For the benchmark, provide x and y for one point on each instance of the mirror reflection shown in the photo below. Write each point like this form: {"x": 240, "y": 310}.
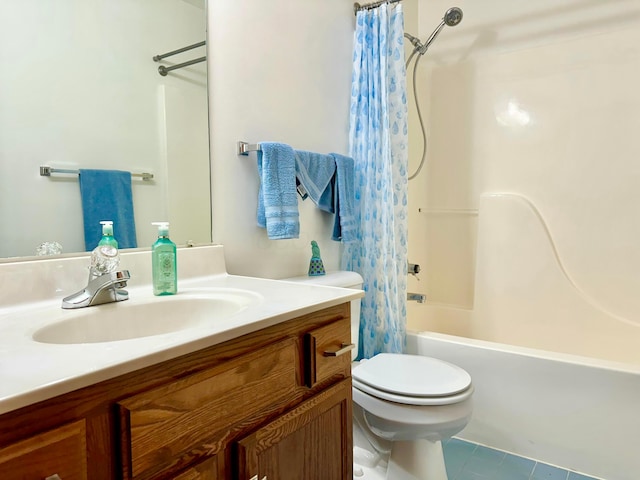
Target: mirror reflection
{"x": 80, "y": 90}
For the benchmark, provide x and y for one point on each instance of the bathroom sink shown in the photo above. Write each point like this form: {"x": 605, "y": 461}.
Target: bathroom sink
{"x": 144, "y": 318}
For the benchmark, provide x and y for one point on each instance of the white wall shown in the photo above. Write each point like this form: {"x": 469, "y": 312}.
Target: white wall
{"x": 538, "y": 99}
{"x": 79, "y": 89}
{"x": 279, "y": 71}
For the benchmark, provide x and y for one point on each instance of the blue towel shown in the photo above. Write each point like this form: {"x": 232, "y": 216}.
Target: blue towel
{"x": 277, "y": 201}
{"x": 315, "y": 172}
{"x": 344, "y": 224}
{"x": 106, "y": 195}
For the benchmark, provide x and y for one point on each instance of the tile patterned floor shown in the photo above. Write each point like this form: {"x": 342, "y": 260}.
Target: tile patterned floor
{"x": 468, "y": 461}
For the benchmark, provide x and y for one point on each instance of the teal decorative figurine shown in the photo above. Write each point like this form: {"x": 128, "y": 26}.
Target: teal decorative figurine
{"x": 316, "y": 267}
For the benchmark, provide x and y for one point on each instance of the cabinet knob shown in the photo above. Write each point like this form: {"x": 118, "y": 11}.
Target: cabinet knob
{"x": 255, "y": 477}
{"x": 344, "y": 348}
{"x": 55, "y": 476}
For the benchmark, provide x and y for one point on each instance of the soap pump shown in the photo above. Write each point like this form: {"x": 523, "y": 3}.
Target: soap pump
{"x": 163, "y": 262}
{"x": 107, "y": 234}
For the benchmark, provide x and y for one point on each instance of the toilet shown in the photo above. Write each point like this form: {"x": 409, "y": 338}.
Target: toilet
{"x": 404, "y": 405}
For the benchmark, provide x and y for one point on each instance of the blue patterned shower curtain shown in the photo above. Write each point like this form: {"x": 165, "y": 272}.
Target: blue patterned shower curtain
{"x": 378, "y": 144}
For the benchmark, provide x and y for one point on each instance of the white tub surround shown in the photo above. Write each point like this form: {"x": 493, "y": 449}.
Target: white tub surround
{"x": 31, "y": 295}
{"x": 555, "y": 365}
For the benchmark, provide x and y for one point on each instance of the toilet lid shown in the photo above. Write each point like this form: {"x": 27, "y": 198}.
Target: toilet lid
{"x": 412, "y": 376}
{"x": 407, "y": 400}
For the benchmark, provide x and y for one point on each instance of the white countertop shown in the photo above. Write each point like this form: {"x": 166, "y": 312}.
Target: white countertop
{"x": 31, "y": 371}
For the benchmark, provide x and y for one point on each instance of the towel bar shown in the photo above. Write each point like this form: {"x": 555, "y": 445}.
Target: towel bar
{"x": 244, "y": 148}
{"x": 157, "y": 58}
{"x": 162, "y": 70}
{"x": 46, "y": 171}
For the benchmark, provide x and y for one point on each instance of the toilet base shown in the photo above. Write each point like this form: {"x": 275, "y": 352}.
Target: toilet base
{"x": 416, "y": 460}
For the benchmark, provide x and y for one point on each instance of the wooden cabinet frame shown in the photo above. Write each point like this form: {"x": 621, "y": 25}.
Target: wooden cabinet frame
{"x": 105, "y": 407}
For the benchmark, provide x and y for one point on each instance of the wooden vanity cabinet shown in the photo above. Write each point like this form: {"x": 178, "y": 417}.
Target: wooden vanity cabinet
{"x": 271, "y": 404}
{"x": 61, "y": 452}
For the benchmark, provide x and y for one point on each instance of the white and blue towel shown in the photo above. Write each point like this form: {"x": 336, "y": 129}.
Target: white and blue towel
{"x": 277, "y": 200}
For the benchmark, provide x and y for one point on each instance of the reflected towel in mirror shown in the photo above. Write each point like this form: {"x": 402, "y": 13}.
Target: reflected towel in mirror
{"x": 106, "y": 195}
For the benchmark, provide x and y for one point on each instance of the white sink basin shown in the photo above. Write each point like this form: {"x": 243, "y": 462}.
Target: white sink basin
{"x": 153, "y": 316}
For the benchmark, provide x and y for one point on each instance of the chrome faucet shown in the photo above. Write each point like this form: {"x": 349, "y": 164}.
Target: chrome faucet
{"x": 418, "y": 297}
{"x": 100, "y": 289}
{"x": 105, "y": 280}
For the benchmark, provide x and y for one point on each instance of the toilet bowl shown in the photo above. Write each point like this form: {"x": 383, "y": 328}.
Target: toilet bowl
{"x": 404, "y": 405}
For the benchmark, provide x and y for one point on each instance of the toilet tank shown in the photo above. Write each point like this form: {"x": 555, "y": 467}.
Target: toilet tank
{"x": 344, "y": 279}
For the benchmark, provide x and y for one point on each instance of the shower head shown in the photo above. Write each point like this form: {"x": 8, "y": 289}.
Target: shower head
{"x": 451, "y": 18}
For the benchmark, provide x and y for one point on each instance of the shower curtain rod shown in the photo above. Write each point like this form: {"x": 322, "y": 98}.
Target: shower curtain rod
{"x": 357, "y": 7}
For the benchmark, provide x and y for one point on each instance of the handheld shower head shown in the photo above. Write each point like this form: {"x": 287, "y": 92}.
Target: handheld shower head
{"x": 453, "y": 16}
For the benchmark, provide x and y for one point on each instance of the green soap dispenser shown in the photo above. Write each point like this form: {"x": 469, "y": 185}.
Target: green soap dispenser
{"x": 163, "y": 262}
{"x": 107, "y": 234}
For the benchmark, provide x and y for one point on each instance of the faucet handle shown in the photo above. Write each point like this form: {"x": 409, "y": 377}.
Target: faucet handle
{"x": 414, "y": 269}
{"x": 104, "y": 259}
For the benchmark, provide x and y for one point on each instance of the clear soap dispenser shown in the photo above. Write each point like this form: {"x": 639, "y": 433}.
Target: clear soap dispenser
{"x": 163, "y": 262}
{"x": 107, "y": 234}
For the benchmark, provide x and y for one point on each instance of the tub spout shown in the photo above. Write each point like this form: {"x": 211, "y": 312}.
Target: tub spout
{"x": 417, "y": 297}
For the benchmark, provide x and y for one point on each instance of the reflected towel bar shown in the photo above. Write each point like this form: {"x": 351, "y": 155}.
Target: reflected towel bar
{"x": 46, "y": 171}
{"x": 244, "y": 148}
{"x": 162, "y": 70}
{"x": 157, "y": 58}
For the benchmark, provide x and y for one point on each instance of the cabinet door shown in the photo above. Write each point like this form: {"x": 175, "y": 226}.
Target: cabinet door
{"x": 311, "y": 442}
{"x": 61, "y": 452}
{"x": 168, "y": 425}
{"x": 209, "y": 469}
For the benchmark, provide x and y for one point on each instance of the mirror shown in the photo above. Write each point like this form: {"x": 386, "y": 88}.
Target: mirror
{"x": 79, "y": 89}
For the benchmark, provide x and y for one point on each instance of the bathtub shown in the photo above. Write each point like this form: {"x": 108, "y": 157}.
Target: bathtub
{"x": 555, "y": 362}
{"x": 575, "y": 412}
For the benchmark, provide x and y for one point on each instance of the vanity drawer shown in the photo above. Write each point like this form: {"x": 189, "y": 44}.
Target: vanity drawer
{"x": 328, "y": 352}
{"x": 166, "y": 427}
{"x": 60, "y": 452}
